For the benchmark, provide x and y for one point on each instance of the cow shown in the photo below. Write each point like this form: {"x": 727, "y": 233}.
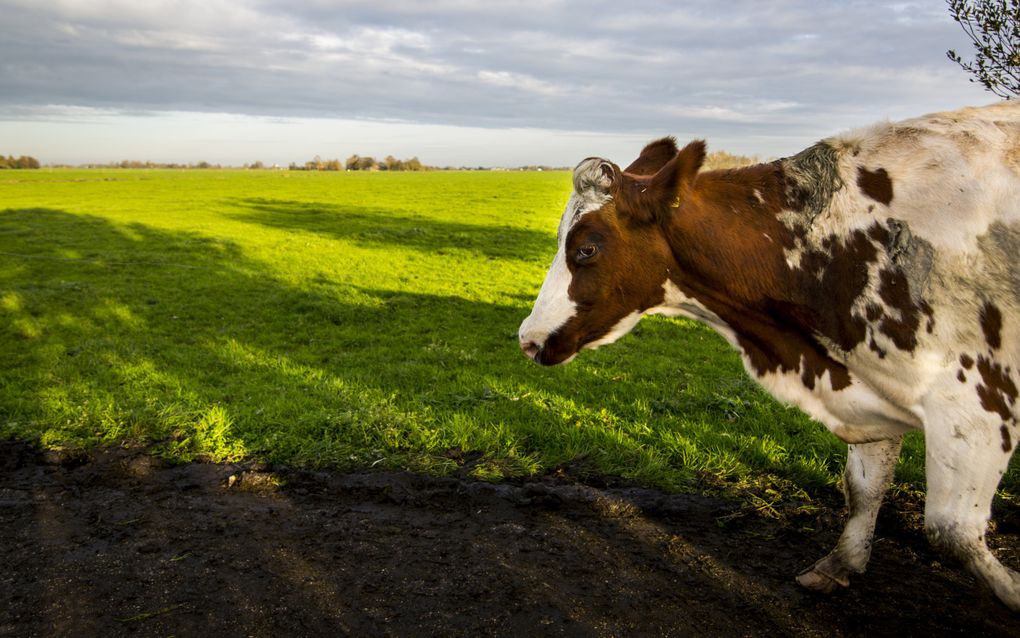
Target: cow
{"x": 870, "y": 280}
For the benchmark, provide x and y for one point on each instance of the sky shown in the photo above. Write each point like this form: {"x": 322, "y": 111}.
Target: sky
{"x": 461, "y": 82}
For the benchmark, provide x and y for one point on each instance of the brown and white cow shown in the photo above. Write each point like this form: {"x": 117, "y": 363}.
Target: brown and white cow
{"x": 871, "y": 280}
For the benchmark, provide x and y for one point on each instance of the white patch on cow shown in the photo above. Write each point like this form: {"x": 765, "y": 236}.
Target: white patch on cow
{"x": 622, "y": 327}
{"x": 934, "y": 162}
{"x": 794, "y": 255}
{"x": 553, "y": 308}
{"x": 676, "y": 304}
{"x": 855, "y": 414}
{"x": 758, "y": 196}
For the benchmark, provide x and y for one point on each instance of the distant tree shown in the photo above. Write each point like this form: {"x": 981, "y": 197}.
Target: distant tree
{"x": 257, "y": 165}
{"x": 332, "y": 165}
{"x": 24, "y": 161}
{"x": 994, "y": 28}
{"x": 413, "y": 164}
{"x": 367, "y": 164}
{"x": 392, "y": 164}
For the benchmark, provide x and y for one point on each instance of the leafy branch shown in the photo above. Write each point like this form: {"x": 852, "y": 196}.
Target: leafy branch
{"x": 994, "y": 28}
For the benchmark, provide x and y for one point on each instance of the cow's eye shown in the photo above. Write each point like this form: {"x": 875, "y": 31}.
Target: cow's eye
{"x": 587, "y": 251}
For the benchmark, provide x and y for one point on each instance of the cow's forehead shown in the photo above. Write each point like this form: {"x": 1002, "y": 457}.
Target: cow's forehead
{"x": 591, "y": 192}
{"x": 580, "y": 204}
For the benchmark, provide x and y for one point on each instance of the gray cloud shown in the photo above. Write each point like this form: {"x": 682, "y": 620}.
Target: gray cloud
{"x": 788, "y": 68}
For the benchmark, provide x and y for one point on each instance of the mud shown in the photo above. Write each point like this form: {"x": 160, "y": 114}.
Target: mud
{"x": 122, "y": 544}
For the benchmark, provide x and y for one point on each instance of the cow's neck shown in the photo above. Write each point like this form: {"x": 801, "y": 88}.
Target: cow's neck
{"x": 729, "y": 241}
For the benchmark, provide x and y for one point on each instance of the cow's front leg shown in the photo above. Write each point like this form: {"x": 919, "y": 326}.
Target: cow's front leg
{"x": 869, "y": 470}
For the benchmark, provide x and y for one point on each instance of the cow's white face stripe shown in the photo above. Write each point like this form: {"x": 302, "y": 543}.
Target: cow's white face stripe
{"x": 553, "y": 308}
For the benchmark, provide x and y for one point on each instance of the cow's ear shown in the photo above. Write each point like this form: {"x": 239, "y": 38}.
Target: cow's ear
{"x": 649, "y": 198}
{"x": 653, "y": 157}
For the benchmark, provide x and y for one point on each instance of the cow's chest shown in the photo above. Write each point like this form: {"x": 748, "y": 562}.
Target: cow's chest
{"x": 862, "y": 411}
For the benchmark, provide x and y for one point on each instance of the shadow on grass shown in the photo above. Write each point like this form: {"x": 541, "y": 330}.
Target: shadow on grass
{"x": 373, "y": 227}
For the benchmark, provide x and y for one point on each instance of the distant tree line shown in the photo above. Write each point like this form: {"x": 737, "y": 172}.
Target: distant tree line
{"x": 24, "y": 161}
{"x": 147, "y": 164}
{"x": 718, "y": 159}
{"x": 360, "y": 163}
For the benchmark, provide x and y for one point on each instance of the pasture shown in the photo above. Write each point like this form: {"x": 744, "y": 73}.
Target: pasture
{"x": 359, "y": 320}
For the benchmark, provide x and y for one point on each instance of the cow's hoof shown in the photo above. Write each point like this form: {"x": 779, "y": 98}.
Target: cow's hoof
{"x": 816, "y": 580}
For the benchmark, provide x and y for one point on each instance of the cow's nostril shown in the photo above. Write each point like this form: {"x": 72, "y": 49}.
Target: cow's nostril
{"x": 531, "y": 349}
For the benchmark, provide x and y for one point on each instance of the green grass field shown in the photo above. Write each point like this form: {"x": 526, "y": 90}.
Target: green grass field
{"x": 355, "y": 320}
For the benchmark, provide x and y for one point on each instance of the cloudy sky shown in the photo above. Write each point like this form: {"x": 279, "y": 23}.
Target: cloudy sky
{"x": 460, "y": 82}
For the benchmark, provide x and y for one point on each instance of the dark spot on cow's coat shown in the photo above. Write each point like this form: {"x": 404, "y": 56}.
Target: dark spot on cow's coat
{"x": 879, "y": 233}
{"x": 873, "y": 312}
{"x": 811, "y": 178}
{"x": 998, "y": 393}
{"x": 789, "y": 352}
{"x": 966, "y": 361}
{"x": 875, "y": 184}
{"x": 877, "y": 349}
{"x": 1007, "y": 441}
{"x": 991, "y": 324}
{"x": 961, "y": 376}
{"x": 930, "y": 313}
{"x": 832, "y": 282}
{"x": 895, "y": 292}
{"x": 913, "y": 255}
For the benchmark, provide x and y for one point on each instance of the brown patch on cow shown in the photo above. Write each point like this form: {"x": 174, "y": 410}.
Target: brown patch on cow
{"x": 652, "y": 198}
{"x": 880, "y": 234}
{"x": 961, "y": 376}
{"x": 930, "y": 313}
{"x": 875, "y": 184}
{"x": 991, "y": 324}
{"x": 1007, "y": 440}
{"x": 833, "y": 285}
{"x": 877, "y": 349}
{"x": 998, "y": 393}
{"x": 729, "y": 247}
{"x": 653, "y": 157}
{"x": 966, "y": 361}
{"x": 895, "y": 291}
{"x": 771, "y": 350}
{"x": 873, "y": 312}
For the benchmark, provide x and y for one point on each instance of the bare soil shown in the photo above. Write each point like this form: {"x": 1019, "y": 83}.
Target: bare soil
{"x": 121, "y": 543}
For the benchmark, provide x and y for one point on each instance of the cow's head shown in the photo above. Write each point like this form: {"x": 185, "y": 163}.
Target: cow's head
{"x": 613, "y": 261}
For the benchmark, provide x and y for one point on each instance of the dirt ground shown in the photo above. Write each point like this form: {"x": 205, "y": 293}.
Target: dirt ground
{"x": 120, "y": 543}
